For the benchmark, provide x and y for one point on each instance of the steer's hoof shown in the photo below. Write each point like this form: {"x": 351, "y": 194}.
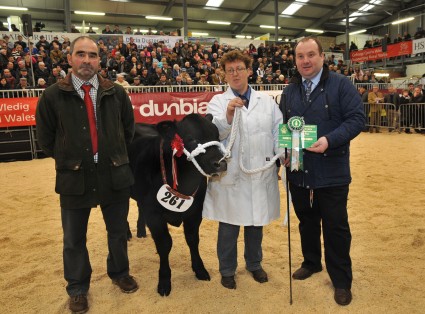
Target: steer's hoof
{"x": 141, "y": 233}
{"x": 164, "y": 289}
{"x": 202, "y": 274}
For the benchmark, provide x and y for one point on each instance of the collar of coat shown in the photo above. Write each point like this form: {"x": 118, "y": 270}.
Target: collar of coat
{"x": 66, "y": 83}
{"x": 297, "y": 79}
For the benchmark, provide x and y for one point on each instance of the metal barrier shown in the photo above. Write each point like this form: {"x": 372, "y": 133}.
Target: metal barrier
{"x": 385, "y": 115}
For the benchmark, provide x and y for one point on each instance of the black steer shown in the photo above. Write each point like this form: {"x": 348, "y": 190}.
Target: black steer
{"x": 145, "y": 160}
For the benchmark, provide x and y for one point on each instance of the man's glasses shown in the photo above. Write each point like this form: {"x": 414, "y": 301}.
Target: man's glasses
{"x": 233, "y": 71}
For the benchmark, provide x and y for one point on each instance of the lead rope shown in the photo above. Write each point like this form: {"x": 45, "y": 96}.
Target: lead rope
{"x": 237, "y": 125}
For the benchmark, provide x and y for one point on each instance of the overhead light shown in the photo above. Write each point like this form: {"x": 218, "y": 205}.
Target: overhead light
{"x": 314, "y": 30}
{"x": 89, "y": 13}
{"x": 199, "y": 34}
{"x": 5, "y": 24}
{"x": 293, "y": 7}
{"x": 268, "y": 26}
{"x": 240, "y": 36}
{"x": 5, "y": 7}
{"x": 248, "y": 37}
{"x": 358, "y": 32}
{"x": 403, "y": 20}
{"x": 286, "y": 39}
{"x": 163, "y": 18}
{"x": 214, "y": 3}
{"x": 219, "y": 22}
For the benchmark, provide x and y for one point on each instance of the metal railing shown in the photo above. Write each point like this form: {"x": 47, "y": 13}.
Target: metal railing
{"x": 385, "y": 115}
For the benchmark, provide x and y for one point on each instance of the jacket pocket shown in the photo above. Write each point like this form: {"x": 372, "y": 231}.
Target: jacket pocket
{"x": 121, "y": 174}
{"x": 69, "y": 177}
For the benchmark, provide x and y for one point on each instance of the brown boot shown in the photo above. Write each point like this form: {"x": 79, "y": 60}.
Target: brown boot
{"x": 78, "y": 304}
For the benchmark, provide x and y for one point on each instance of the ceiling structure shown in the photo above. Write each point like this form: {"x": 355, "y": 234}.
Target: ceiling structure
{"x": 245, "y": 16}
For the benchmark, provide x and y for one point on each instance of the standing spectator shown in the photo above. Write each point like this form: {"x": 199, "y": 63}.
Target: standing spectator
{"x": 375, "y": 99}
{"x": 21, "y": 42}
{"x": 320, "y": 190}
{"x": 405, "y": 111}
{"x": 74, "y": 29}
{"x": 43, "y": 43}
{"x": 393, "y": 113}
{"x": 117, "y": 29}
{"x": 107, "y": 30}
{"x": 89, "y": 172}
{"x": 353, "y": 46}
{"x": 239, "y": 199}
{"x": 91, "y": 30}
{"x": 407, "y": 36}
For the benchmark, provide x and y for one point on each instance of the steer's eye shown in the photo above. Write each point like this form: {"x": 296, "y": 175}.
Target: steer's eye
{"x": 190, "y": 143}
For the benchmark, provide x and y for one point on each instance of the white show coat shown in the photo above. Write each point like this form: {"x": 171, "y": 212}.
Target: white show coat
{"x": 235, "y": 197}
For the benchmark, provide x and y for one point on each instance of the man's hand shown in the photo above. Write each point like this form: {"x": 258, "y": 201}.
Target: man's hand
{"x": 231, "y": 106}
{"x": 320, "y": 146}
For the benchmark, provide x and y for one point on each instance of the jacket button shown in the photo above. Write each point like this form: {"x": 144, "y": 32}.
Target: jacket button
{"x": 81, "y": 107}
{"x": 306, "y": 171}
{"x": 87, "y": 149}
{"x": 324, "y": 155}
{"x": 76, "y": 168}
{"x": 307, "y": 186}
{"x": 84, "y": 127}
{"x": 94, "y": 190}
{"x": 326, "y": 106}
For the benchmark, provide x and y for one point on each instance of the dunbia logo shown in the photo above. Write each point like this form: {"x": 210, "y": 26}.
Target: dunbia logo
{"x": 181, "y": 107}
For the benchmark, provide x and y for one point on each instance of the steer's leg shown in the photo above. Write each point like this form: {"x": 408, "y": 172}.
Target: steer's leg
{"x": 191, "y": 233}
{"x": 163, "y": 243}
{"x": 141, "y": 222}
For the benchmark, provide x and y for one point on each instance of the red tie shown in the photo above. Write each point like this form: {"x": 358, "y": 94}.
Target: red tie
{"x": 91, "y": 116}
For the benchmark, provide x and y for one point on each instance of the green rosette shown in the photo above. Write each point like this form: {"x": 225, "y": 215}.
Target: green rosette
{"x": 296, "y": 125}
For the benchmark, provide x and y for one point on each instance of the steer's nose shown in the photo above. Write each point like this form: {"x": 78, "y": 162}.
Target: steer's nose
{"x": 220, "y": 166}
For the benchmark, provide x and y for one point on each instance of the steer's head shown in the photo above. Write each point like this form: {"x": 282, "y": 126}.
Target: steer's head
{"x": 195, "y": 130}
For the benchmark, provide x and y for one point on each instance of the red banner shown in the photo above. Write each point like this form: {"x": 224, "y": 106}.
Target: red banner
{"x": 399, "y": 49}
{"x": 155, "y": 107}
{"x": 17, "y": 111}
{"x": 148, "y": 107}
{"x": 367, "y": 55}
{"x": 393, "y": 50}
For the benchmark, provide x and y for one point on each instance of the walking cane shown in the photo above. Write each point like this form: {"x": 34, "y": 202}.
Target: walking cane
{"x": 289, "y": 228}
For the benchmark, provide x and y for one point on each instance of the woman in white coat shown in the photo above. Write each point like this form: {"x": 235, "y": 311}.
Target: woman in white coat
{"x": 236, "y": 198}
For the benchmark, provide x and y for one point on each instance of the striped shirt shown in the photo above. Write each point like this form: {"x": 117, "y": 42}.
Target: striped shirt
{"x": 77, "y": 83}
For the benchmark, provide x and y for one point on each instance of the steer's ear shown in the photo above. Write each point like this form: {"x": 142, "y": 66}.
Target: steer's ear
{"x": 167, "y": 129}
{"x": 209, "y": 116}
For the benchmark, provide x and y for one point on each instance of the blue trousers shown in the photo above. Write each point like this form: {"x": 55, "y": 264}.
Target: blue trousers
{"x": 227, "y": 250}
{"x": 77, "y": 268}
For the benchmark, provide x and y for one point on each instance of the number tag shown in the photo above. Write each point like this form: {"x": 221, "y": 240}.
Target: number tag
{"x": 170, "y": 201}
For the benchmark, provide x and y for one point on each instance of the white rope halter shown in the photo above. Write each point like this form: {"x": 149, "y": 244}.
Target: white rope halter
{"x": 238, "y": 127}
{"x": 201, "y": 149}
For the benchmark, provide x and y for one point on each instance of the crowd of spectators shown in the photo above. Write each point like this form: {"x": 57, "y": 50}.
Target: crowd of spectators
{"x": 187, "y": 63}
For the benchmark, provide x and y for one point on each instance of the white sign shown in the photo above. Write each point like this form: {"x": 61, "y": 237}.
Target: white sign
{"x": 171, "y": 201}
{"x": 418, "y": 45}
{"x": 144, "y": 40}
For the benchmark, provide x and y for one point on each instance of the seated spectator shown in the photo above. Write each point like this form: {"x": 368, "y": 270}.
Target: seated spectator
{"x": 41, "y": 83}
{"x": 117, "y": 29}
{"x": 136, "y": 81}
{"x": 10, "y": 79}
{"x": 121, "y": 81}
{"x": 23, "y": 84}
{"x": 4, "y": 85}
{"x": 53, "y": 78}
{"x": 178, "y": 81}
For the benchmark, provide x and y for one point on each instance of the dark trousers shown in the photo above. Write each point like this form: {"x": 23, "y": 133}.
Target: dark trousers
{"x": 227, "y": 248}
{"x": 329, "y": 212}
{"x": 77, "y": 268}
